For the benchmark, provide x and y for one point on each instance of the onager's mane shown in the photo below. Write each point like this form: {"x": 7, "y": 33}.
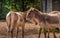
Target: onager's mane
{"x": 32, "y": 15}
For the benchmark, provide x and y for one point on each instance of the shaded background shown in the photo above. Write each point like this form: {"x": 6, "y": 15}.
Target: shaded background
{"x": 16, "y": 5}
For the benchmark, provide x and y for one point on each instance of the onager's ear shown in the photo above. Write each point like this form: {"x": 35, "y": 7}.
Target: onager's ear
{"x": 29, "y": 13}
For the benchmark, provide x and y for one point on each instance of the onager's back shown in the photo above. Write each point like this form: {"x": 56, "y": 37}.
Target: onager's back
{"x": 54, "y": 12}
{"x": 14, "y": 20}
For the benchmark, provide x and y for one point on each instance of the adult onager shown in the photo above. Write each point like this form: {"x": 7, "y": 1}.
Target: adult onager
{"x": 15, "y": 20}
{"x": 36, "y": 14}
{"x": 44, "y": 18}
{"x": 30, "y": 16}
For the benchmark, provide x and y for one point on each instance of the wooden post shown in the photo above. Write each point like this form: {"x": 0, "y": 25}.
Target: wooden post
{"x": 43, "y": 5}
{"x": 49, "y": 6}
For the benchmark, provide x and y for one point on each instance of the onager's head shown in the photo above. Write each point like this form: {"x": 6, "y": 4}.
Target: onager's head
{"x": 32, "y": 12}
{"x": 33, "y": 15}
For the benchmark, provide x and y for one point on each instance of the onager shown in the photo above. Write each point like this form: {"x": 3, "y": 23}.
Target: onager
{"x": 44, "y": 18}
{"x": 36, "y": 14}
{"x": 15, "y": 20}
{"x": 31, "y": 16}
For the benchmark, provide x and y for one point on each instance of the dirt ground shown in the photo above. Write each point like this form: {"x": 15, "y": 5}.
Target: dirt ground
{"x": 30, "y": 31}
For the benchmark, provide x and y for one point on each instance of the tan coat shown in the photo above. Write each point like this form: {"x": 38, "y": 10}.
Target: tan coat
{"x": 14, "y": 19}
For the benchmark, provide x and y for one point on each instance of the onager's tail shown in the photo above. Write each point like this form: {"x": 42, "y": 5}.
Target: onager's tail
{"x": 8, "y": 20}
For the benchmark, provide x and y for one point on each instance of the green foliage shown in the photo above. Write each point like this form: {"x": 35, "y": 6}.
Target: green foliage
{"x": 16, "y": 5}
{"x": 57, "y": 30}
{"x": 30, "y": 3}
{"x": 3, "y": 14}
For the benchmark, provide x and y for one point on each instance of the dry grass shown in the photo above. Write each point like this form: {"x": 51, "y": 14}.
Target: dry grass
{"x": 31, "y": 31}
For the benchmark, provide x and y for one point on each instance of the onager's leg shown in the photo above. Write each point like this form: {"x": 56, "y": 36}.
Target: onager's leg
{"x": 48, "y": 33}
{"x": 8, "y": 20}
{"x": 17, "y": 32}
{"x": 9, "y": 28}
{"x": 54, "y": 34}
{"x": 23, "y": 31}
{"x": 45, "y": 27}
{"x": 59, "y": 25}
{"x": 12, "y": 29}
{"x": 9, "y": 32}
{"x": 13, "y": 24}
{"x": 45, "y": 32}
{"x": 12, "y": 33}
{"x": 39, "y": 32}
